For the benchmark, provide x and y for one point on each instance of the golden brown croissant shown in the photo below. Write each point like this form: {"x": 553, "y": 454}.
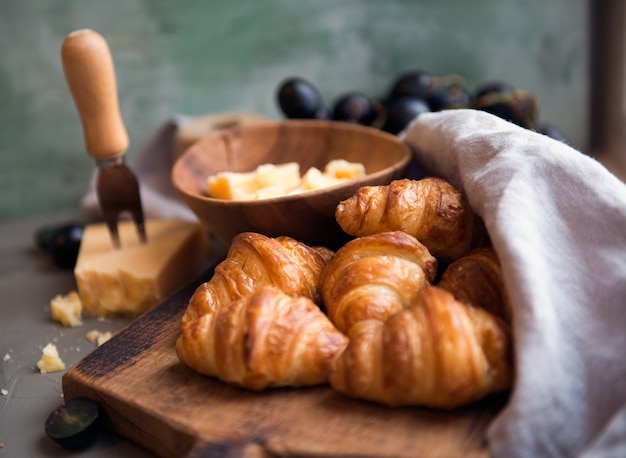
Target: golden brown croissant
{"x": 375, "y": 276}
{"x": 477, "y": 279}
{"x": 431, "y": 210}
{"x": 437, "y": 353}
{"x": 255, "y": 260}
{"x": 266, "y": 339}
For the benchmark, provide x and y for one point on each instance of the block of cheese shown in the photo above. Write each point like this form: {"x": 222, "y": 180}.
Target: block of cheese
{"x": 136, "y": 277}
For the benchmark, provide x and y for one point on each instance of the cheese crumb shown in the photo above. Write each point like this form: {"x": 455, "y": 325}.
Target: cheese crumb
{"x": 50, "y": 360}
{"x": 98, "y": 337}
{"x": 67, "y": 309}
{"x": 4, "y": 391}
{"x": 7, "y": 357}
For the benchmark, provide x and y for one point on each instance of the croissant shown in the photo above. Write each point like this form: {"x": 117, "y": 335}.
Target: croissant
{"x": 477, "y": 279}
{"x": 437, "y": 353}
{"x": 255, "y": 260}
{"x": 267, "y": 339}
{"x": 375, "y": 276}
{"x": 431, "y": 210}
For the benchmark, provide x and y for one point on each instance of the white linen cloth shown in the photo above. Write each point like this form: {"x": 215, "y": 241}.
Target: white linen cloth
{"x": 557, "y": 219}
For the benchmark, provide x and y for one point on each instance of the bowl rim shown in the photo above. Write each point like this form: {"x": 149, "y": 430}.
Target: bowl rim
{"x": 314, "y": 123}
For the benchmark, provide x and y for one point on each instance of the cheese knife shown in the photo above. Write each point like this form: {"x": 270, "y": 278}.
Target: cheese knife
{"x": 90, "y": 74}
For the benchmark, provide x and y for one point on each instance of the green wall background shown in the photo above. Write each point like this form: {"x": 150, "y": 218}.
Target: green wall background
{"x": 202, "y": 56}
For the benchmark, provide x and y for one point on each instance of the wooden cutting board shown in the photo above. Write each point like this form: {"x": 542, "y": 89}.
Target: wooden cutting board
{"x": 155, "y": 401}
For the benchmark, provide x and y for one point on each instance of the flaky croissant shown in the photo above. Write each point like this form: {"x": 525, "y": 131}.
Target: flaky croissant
{"x": 437, "y": 353}
{"x": 267, "y": 339}
{"x": 255, "y": 260}
{"x": 477, "y": 279}
{"x": 375, "y": 276}
{"x": 431, "y": 210}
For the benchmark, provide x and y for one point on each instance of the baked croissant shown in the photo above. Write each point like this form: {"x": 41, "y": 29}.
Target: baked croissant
{"x": 267, "y": 339}
{"x": 438, "y": 353}
{"x": 431, "y": 210}
{"x": 477, "y": 279}
{"x": 375, "y": 276}
{"x": 255, "y": 260}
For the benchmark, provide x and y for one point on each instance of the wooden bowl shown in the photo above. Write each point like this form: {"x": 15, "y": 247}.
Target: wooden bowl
{"x": 309, "y": 216}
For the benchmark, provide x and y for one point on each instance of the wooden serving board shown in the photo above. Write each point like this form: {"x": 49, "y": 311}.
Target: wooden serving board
{"x": 160, "y": 404}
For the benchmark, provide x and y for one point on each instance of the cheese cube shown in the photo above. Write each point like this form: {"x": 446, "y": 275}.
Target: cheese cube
{"x": 136, "y": 277}
{"x": 285, "y": 175}
{"x": 232, "y": 185}
{"x": 340, "y": 168}
{"x": 315, "y": 179}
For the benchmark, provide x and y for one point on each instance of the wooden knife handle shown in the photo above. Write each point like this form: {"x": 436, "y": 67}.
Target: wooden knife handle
{"x": 90, "y": 75}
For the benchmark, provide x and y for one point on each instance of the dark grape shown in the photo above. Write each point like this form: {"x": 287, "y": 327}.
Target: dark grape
{"x": 401, "y": 111}
{"x": 447, "y": 97}
{"x": 411, "y": 94}
{"x": 75, "y": 424}
{"x": 354, "y": 107}
{"x": 508, "y": 102}
{"x": 299, "y": 99}
{"x": 62, "y": 242}
{"x": 416, "y": 83}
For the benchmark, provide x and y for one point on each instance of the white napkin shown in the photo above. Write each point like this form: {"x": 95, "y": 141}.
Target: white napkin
{"x": 557, "y": 219}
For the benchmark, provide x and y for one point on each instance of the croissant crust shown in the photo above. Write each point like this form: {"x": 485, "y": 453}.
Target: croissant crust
{"x": 266, "y": 339}
{"x": 477, "y": 279}
{"x": 438, "y": 353}
{"x": 431, "y": 210}
{"x": 375, "y": 276}
{"x": 255, "y": 260}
